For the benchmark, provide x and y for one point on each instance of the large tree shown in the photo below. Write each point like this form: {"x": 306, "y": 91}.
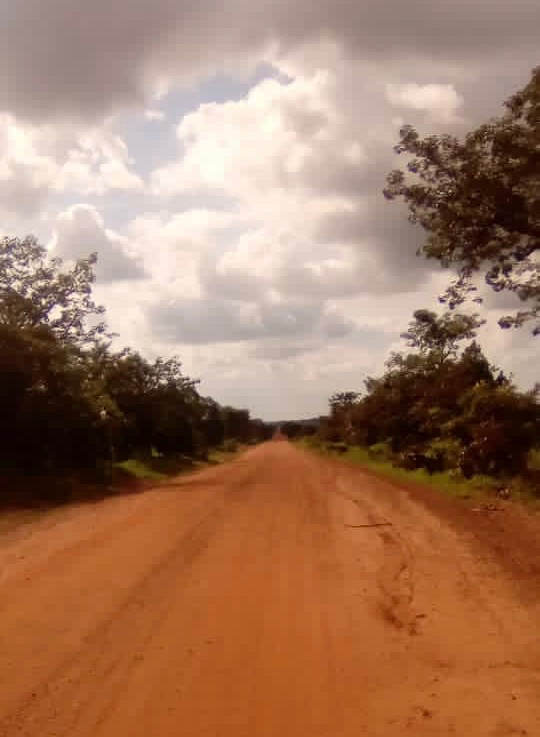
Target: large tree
{"x": 479, "y": 201}
{"x": 438, "y": 336}
{"x": 159, "y": 407}
{"x": 38, "y": 290}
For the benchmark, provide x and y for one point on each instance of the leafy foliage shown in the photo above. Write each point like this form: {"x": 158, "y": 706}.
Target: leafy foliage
{"x": 438, "y": 336}
{"x": 36, "y": 291}
{"x": 479, "y": 201}
{"x": 296, "y": 429}
{"x": 439, "y": 409}
{"x": 69, "y": 402}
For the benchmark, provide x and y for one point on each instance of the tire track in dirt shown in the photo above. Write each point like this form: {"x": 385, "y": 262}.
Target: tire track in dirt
{"x": 245, "y": 600}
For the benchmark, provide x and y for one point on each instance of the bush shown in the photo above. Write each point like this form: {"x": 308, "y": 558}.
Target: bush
{"x": 337, "y": 447}
{"x": 445, "y": 452}
{"x": 533, "y": 460}
{"x": 525, "y": 486}
{"x": 501, "y": 427}
{"x": 413, "y": 459}
{"x": 230, "y": 446}
{"x": 380, "y": 452}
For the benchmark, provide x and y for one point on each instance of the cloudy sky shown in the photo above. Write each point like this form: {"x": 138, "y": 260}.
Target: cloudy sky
{"x": 226, "y": 161}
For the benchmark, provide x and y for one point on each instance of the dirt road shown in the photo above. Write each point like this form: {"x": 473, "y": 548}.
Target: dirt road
{"x": 250, "y": 600}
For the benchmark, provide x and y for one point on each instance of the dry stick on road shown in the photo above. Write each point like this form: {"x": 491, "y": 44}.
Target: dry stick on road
{"x": 487, "y": 508}
{"x": 373, "y": 524}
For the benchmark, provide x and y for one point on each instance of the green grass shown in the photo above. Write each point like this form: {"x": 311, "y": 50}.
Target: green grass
{"x": 66, "y": 491}
{"x": 534, "y": 460}
{"x": 475, "y": 488}
{"x": 140, "y": 470}
{"x": 158, "y": 468}
{"x": 461, "y": 488}
{"x": 220, "y": 456}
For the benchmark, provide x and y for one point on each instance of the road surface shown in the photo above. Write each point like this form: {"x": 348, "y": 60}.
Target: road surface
{"x": 251, "y": 600}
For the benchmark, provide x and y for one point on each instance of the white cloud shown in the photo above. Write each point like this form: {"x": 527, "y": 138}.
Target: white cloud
{"x": 300, "y": 171}
{"x": 152, "y": 114}
{"x": 440, "y": 101}
{"x": 107, "y": 56}
{"x": 276, "y": 141}
{"x": 174, "y": 246}
{"x": 187, "y": 230}
{"x": 36, "y": 161}
{"x": 80, "y": 231}
{"x": 97, "y": 162}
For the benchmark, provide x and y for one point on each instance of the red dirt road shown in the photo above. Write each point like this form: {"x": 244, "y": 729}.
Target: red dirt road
{"x": 249, "y": 601}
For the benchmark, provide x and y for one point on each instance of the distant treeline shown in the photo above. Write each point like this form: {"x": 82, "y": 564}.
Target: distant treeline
{"x": 295, "y": 428}
{"x": 70, "y": 402}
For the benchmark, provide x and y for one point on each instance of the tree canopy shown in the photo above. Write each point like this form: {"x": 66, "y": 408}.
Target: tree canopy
{"x": 441, "y": 407}
{"x": 479, "y": 201}
{"x": 36, "y": 290}
{"x": 70, "y": 402}
{"x": 439, "y": 336}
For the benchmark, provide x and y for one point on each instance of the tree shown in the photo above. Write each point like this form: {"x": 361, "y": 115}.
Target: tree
{"x": 341, "y": 400}
{"x": 340, "y": 420}
{"x": 291, "y": 429}
{"x": 212, "y": 423}
{"x": 479, "y": 201}
{"x": 38, "y": 290}
{"x": 260, "y": 431}
{"x": 49, "y": 403}
{"x": 49, "y": 328}
{"x": 237, "y": 424}
{"x": 499, "y": 426}
{"x": 438, "y": 336}
{"x": 440, "y": 409}
{"x": 159, "y": 406}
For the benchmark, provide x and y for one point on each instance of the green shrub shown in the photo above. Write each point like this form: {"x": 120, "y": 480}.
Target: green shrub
{"x": 337, "y": 447}
{"x": 380, "y": 452}
{"x": 533, "y": 460}
{"x": 230, "y": 446}
{"x": 446, "y": 451}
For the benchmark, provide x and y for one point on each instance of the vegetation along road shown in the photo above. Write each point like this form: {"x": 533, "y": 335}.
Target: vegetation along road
{"x": 282, "y": 594}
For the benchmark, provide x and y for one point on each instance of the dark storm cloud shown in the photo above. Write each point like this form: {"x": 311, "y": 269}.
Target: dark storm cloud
{"x": 89, "y": 58}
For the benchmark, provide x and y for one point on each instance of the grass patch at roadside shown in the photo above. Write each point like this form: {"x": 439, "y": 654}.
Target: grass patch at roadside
{"x": 460, "y": 488}
{"x": 19, "y": 503}
{"x": 220, "y": 456}
{"x": 158, "y": 468}
{"x": 479, "y": 488}
{"x": 141, "y": 470}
